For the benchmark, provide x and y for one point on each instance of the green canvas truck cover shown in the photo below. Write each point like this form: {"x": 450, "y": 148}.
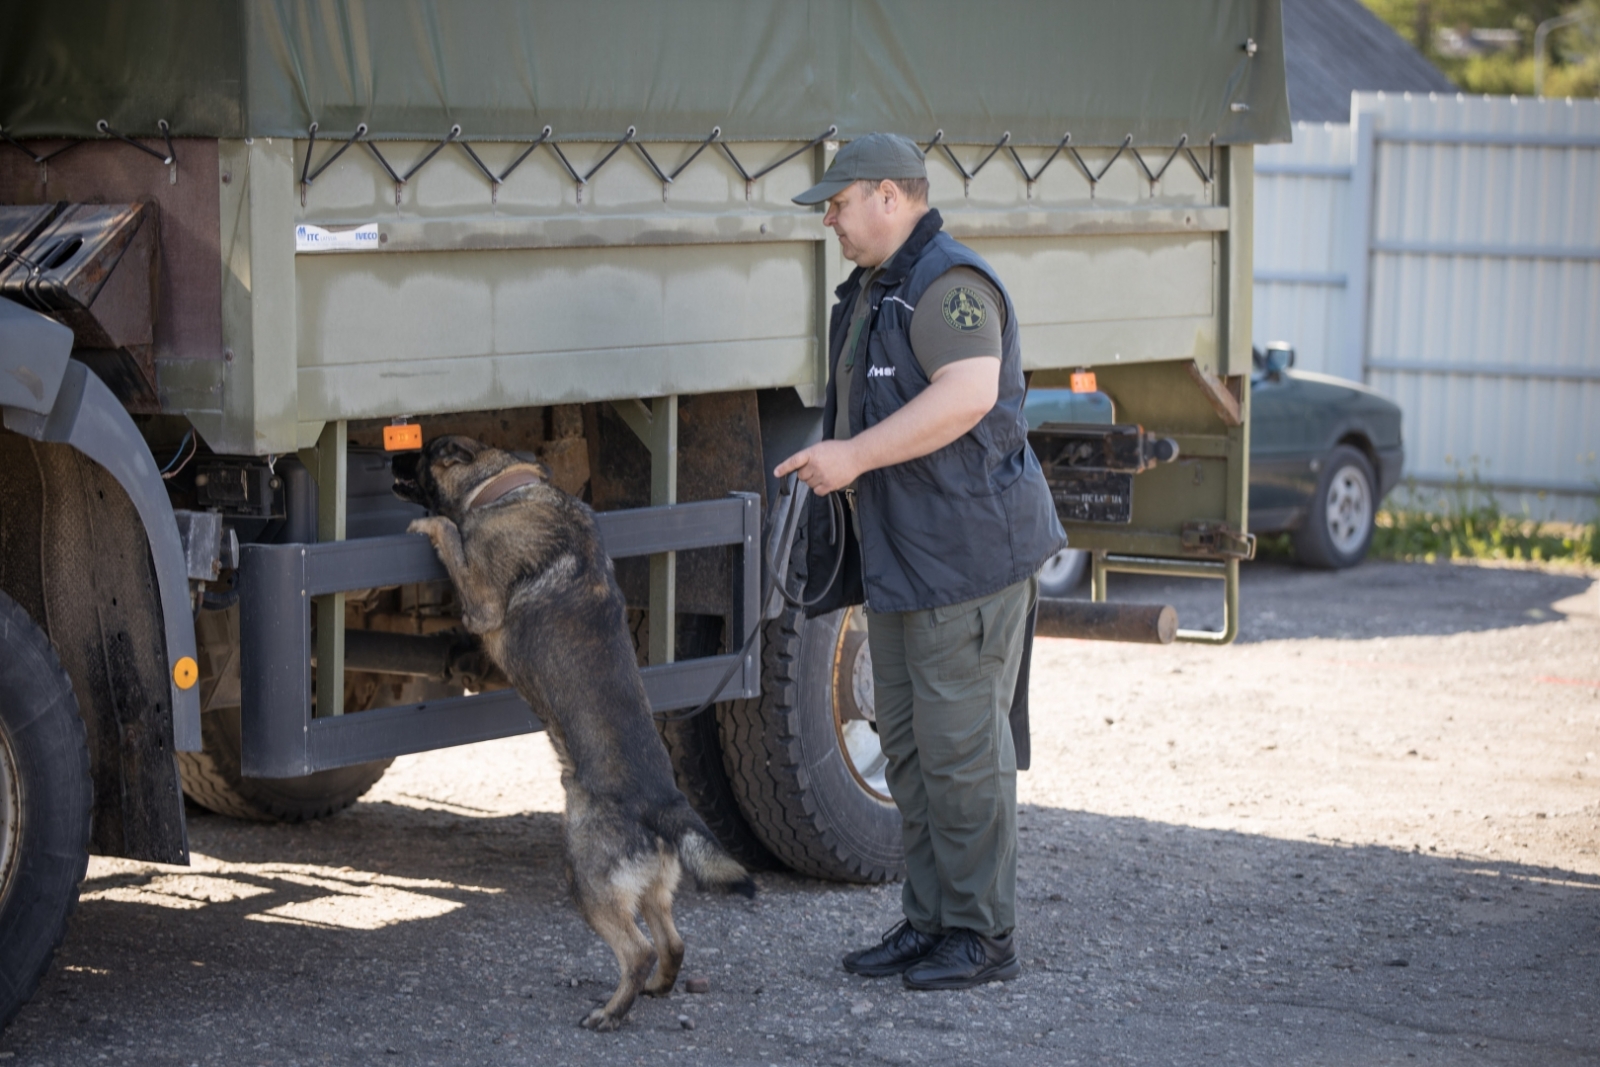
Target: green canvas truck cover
{"x": 759, "y": 69}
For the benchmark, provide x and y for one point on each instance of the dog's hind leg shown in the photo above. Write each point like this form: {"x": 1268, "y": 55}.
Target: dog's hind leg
{"x": 656, "y": 903}
{"x": 612, "y": 918}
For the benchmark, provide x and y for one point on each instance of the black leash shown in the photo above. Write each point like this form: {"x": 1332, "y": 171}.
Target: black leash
{"x": 777, "y": 580}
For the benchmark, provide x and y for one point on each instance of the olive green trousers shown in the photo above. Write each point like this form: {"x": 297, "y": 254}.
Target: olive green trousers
{"x": 943, "y": 682}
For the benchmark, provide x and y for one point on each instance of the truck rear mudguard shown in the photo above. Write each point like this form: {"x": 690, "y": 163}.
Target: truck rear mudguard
{"x": 88, "y": 417}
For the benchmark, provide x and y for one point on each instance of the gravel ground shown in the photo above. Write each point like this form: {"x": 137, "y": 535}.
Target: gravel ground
{"x": 1365, "y": 834}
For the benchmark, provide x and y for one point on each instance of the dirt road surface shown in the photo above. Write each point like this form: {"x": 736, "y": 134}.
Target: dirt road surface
{"x": 1368, "y": 833}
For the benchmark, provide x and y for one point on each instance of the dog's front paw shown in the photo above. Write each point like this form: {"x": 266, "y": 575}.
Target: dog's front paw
{"x": 430, "y": 527}
{"x": 600, "y": 1020}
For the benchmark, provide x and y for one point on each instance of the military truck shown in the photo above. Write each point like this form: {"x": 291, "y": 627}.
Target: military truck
{"x": 250, "y": 250}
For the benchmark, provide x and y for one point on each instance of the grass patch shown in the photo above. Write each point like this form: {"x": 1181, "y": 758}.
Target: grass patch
{"x": 1467, "y": 522}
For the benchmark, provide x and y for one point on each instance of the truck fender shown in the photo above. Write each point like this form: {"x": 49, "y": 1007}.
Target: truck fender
{"x": 89, "y": 418}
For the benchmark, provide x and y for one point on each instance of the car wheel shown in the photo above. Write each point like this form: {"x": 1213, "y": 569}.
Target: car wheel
{"x": 1063, "y": 572}
{"x": 45, "y": 801}
{"x": 1338, "y": 527}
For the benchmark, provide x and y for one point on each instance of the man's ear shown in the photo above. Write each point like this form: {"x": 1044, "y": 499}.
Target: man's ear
{"x": 454, "y": 450}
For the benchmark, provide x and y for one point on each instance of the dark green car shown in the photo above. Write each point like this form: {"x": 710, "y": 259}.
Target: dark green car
{"x": 1324, "y": 452}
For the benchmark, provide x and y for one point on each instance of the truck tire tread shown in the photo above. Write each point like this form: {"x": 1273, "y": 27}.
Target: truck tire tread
{"x": 765, "y": 760}
{"x": 212, "y": 778}
{"x": 51, "y": 864}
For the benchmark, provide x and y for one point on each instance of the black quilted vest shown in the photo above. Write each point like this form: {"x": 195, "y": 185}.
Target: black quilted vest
{"x": 959, "y": 523}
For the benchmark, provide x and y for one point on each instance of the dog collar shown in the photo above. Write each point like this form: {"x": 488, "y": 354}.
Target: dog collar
{"x": 501, "y": 484}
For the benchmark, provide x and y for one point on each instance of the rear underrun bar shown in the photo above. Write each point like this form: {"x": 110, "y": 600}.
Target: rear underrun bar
{"x": 283, "y": 739}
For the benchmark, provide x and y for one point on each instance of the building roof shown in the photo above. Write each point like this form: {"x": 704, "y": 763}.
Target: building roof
{"x": 1335, "y": 47}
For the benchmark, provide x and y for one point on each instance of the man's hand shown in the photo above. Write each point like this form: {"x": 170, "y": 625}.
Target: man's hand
{"x": 825, "y": 466}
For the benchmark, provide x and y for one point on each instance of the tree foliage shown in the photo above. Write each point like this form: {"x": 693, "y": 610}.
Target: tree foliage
{"x": 1572, "y": 58}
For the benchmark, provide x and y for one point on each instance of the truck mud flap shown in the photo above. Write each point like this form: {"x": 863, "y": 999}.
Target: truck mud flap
{"x": 281, "y": 737}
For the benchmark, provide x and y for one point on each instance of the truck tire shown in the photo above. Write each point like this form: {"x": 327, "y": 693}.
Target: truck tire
{"x": 695, "y": 749}
{"x": 212, "y": 779}
{"x": 802, "y": 759}
{"x": 45, "y": 804}
{"x": 1338, "y": 526}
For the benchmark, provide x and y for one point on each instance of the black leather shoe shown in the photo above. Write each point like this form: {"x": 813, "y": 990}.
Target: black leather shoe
{"x": 965, "y": 959}
{"x": 902, "y": 946}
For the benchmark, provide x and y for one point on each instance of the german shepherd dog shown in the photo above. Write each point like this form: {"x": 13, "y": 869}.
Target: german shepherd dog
{"x": 537, "y": 587}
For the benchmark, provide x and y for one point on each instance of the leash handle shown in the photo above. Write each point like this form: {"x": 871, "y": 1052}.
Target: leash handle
{"x": 786, "y": 525}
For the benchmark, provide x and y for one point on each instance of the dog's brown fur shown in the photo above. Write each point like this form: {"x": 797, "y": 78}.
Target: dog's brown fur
{"x": 537, "y": 587}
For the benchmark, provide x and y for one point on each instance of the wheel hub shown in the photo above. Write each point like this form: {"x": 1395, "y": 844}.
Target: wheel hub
{"x": 854, "y": 713}
{"x": 1349, "y": 509}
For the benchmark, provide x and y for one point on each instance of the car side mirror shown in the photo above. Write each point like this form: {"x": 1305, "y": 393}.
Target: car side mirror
{"x": 1279, "y": 358}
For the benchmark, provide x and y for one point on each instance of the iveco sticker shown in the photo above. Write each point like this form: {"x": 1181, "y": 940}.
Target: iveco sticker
{"x": 309, "y": 238}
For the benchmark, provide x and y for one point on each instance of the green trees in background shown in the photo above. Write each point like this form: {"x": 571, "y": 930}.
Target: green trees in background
{"x": 1505, "y": 66}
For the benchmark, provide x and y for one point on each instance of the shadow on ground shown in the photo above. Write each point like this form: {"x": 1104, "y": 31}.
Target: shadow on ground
{"x": 404, "y": 936}
{"x": 1279, "y": 600}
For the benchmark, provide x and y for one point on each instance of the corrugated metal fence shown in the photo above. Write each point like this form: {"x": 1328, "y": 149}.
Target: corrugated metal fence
{"x": 1446, "y": 250}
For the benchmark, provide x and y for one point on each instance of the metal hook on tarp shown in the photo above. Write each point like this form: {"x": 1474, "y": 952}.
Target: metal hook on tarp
{"x": 307, "y": 175}
{"x": 1155, "y": 176}
{"x": 170, "y": 159}
{"x": 966, "y": 175}
{"x": 1094, "y": 179}
{"x": 1208, "y": 172}
{"x": 751, "y": 179}
{"x": 495, "y": 182}
{"x": 1066, "y": 139}
{"x": 401, "y": 180}
{"x": 41, "y": 160}
{"x": 668, "y": 179}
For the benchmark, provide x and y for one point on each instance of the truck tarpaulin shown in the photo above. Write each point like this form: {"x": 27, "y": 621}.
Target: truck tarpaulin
{"x": 759, "y": 69}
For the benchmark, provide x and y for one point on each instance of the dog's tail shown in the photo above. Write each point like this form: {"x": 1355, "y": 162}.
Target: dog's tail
{"x": 700, "y": 852}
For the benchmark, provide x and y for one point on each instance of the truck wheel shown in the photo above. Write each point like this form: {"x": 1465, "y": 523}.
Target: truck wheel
{"x": 1338, "y": 525}
{"x": 211, "y": 779}
{"x": 695, "y": 748}
{"x": 45, "y": 801}
{"x": 804, "y": 759}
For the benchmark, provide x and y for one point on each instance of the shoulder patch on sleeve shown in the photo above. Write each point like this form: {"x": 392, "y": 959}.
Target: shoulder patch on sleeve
{"x": 964, "y": 309}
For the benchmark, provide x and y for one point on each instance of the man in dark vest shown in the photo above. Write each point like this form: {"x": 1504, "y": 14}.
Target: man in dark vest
{"x": 950, "y": 521}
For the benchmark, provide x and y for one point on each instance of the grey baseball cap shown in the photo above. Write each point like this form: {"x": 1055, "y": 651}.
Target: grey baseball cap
{"x": 871, "y": 158}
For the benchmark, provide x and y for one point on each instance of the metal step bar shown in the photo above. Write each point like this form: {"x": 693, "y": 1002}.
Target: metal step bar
{"x": 1225, "y": 571}
{"x": 281, "y": 737}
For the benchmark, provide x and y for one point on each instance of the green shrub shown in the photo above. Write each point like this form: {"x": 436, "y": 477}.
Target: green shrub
{"x": 1467, "y": 522}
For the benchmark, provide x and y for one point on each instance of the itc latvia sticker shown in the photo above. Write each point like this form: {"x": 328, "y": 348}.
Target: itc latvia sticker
{"x": 363, "y": 238}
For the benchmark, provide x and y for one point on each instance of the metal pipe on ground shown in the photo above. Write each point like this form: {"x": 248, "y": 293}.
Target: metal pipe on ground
{"x": 1145, "y": 624}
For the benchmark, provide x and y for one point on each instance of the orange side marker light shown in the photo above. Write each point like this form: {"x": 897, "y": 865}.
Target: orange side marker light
{"x": 1083, "y": 382}
{"x": 186, "y": 672}
{"x": 406, "y": 437}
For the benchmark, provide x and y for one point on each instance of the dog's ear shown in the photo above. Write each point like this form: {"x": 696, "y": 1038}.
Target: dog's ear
{"x": 453, "y": 450}
{"x": 407, "y": 485}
